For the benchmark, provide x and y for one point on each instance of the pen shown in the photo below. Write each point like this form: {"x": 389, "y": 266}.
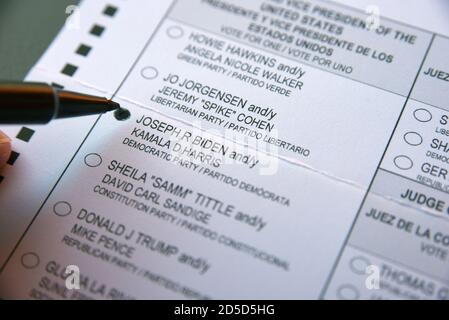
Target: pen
{"x": 39, "y": 103}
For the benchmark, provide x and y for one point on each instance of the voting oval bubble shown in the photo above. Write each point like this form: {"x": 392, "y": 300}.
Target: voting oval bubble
{"x": 348, "y": 292}
{"x": 422, "y": 115}
{"x": 93, "y": 160}
{"x": 149, "y": 73}
{"x": 413, "y": 138}
{"x": 62, "y": 208}
{"x": 403, "y": 162}
{"x": 175, "y": 32}
{"x": 30, "y": 260}
{"x": 358, "y": 265}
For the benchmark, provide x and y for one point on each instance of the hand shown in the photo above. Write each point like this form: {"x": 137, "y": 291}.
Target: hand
{"x": 5, "y": 148}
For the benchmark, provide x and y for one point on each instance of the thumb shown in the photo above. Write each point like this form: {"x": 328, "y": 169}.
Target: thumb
{"x": 5, "y": 148}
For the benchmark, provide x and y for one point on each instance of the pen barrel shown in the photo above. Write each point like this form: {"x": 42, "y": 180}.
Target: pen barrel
{"x": 27, "y": 103}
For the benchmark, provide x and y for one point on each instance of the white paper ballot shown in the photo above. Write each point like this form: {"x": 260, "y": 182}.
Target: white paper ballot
{"x": 275, "y": 149}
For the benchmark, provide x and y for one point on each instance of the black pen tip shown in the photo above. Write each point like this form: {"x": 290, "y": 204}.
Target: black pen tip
{"x": 113, "y": 105}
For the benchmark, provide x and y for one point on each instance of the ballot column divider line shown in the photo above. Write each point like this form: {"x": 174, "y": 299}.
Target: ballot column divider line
{"x": 139, "y": 56}
{"x": 354, "y": 222}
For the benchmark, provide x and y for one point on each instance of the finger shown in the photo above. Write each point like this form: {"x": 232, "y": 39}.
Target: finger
{"x": 5, "y": 148}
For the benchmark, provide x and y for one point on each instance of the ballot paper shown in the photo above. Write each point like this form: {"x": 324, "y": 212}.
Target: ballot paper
{"x": 276, "y": 149}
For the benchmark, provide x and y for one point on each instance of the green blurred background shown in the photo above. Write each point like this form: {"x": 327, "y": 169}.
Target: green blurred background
{"x": 27, "y": 27}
